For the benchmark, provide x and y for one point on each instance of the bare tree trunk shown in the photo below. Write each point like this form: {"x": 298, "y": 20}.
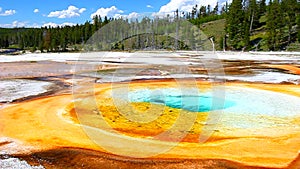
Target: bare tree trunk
{"x": 177, "y": 29}
{"x": 290, "y": 32}
{"x": 251, "y": 24}
{"x": 224, "y": 43}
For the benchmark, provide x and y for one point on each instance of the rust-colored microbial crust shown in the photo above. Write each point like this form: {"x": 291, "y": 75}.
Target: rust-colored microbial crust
{"x": 48, "y": 128}
{"x": 291, "y": 69}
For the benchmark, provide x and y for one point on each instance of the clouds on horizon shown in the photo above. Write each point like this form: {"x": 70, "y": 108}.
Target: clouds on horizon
{"x": 18, "y": 24}
{"x": 113, "y": 12}
{"x": 184, "y": 5}
{"x": 54, "y": 25}
{"x": 173, "y": 5}
{"x": 71, "y": 12}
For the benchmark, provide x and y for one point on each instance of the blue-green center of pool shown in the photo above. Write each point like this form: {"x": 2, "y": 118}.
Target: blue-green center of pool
{"x": 190, "y": 101}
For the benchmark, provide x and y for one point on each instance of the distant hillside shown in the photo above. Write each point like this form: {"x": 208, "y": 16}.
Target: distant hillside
{"x": 262, "y": 25}
{"x": 258, "y": 38}
{"x": 215, "y": 29}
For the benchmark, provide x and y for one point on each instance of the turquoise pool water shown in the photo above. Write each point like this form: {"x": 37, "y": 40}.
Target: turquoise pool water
{"x": 188, "y": 100}
{"x": 254, "y": 108}
{"x": 237, "y": 100}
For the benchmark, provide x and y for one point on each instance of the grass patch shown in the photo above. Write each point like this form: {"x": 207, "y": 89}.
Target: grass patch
{"x": 294, "y": 47}
{"x": 215, "y": 29}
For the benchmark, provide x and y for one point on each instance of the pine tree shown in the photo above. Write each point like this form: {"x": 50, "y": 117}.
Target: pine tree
{"x": 290, "y": 8}
{"x": 216, "y": 9}
{"x": 224, "y": 9}
{"x": 87, "y": 30}
{"x": 202, "y": 11}
{"x": 208, "y": 10}
{"x": 95, "y": 26}
{"x": 47, "y": 41}
{"x": 246, "y": 29}
{"x": 194, "y": 12}
{"x": 106, "y": 21}
{"x": 235, "y": 25}
{"x": 275, "y": 25}
{"x": 253, "y": 11}
{"x": 262, "y": 8}
{"x": 298, "y": 25}
{"x": 298, "y": 21}
{"x": 271, "y": 27}
{"x": 21, "y": 43}
{"x": 41, "y": 45}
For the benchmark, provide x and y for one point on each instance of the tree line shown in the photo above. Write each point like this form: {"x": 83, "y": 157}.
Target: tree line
{"x": 72, "y": 38}
{"x": 250, "y": 24}
{"x": 51, "y": 39}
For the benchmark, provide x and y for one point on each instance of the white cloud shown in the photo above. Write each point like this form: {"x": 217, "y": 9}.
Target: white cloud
{"x": 82, "y": 10}
{"x": 36, "y": 11}
{"x": 133, "y": 15}
{"x": 109, "y": 12}
{"x": 71, "y": 12}
{"x": 54, "y": 25}
{"x": 35, "y": 25}
{"x": 185, "y": 5}
{"x": 14, "y": 24}
{"x": 18, "y": 24}
{"x": 129, "y": 16}
{"x": 149, "y": 6}
{"x": 6, "y": 25}
{"x": 114, "y": 12}
{"x": 7, "y": 12}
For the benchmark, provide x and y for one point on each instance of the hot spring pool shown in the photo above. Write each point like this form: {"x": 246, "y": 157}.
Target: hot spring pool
{"x": 187, "y": 99}
{"x": 237, "y": 100}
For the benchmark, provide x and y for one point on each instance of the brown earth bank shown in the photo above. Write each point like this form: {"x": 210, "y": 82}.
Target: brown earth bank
{"x": 82, "y": 158}
{"x": 43, "y": 131}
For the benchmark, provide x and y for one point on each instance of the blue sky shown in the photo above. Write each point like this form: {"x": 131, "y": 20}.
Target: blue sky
{"x": 36, "y": 13}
